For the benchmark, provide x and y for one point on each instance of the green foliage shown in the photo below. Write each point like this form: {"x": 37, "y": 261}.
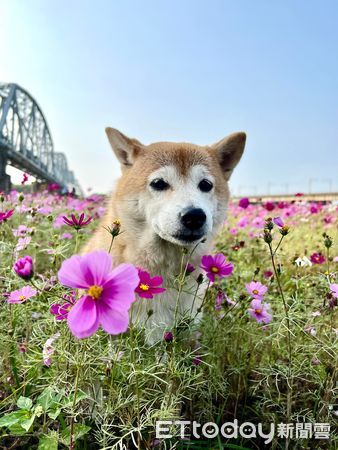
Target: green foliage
{"x": 124, "y": 385}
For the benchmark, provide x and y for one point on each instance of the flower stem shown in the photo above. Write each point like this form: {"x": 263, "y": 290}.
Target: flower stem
{"x": 111, "y": 244}
{"x": 288, "y": 335}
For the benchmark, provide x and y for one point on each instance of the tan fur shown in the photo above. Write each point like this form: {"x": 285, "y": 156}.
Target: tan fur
{"x": 138, "y": 244}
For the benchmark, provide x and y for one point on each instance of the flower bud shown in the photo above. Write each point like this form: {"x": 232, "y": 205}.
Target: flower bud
{"x": 168, "y": 336}
{"x": 21, "y": 197}
{"x": 24, "y": 267}
{"x": 267, "y": 236}
{"x": 328, "y": 241}
{"x": 269, "y": 223}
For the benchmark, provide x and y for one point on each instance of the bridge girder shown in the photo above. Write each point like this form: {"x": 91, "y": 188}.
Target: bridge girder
{"x": 26, "y": 142}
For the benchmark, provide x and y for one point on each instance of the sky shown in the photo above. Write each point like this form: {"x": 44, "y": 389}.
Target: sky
{"x": 191, "y": 71}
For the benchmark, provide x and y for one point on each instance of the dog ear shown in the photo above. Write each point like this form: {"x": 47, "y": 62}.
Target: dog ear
{"x": 229, "y": 151}
{"x": 125, "y": 148}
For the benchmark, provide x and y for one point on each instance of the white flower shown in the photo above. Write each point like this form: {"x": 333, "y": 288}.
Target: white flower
{"x": 48, "y": 349}
{"x": 303, "y": 262}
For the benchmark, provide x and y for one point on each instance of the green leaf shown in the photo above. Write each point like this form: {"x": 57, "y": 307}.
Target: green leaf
{"x": 47, "y": 399}
{"x": 17, "y": 430}
{"x": 80, "y": 395}
{"x": 53, "y": 413}
{"x": 24, "y": 403}
{"x": 48, "y": 442}
{"x": 78, "y": 432}
{"x": 13, "y": 418}
{"x": 27, "y": 423}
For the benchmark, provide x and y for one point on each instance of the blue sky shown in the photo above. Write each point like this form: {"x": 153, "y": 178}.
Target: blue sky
{"x": 191, "y": 70}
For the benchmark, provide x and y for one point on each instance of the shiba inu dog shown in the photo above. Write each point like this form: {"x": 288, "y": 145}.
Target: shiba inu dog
{"x": 170, "y": 197}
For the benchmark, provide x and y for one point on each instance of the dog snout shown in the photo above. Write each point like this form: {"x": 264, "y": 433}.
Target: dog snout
{"x": 194, "y": 219}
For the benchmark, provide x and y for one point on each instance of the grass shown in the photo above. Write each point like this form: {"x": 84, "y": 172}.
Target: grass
{"x": 107, "y": 392}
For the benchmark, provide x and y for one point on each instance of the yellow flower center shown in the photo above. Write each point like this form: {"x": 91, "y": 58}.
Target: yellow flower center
{"x": 258, "y": 311}
{"x": 255, "y": 292}
{"x": 214, "y": 269}
{"x": 22, "y": 297}
{"x": 144, "y": 287}
{"x": 95, "y": 291}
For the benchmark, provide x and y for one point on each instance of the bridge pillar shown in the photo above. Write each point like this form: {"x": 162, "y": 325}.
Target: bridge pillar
{"x": 5, "y": 179}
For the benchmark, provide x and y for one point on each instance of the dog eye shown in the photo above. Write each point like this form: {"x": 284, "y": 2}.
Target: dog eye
{"x": 205, "y": 186}
{"x": 159, "y": 184}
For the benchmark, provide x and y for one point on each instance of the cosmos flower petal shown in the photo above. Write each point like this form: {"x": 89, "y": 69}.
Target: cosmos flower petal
{"x": 83, "y": 319}
{"x": 123, "y": 276}
{"x": 71, "y": 273}
{"x": 156, "y": 281}
{"x": 97, "y": 265}
{"x": 112, "y": 321}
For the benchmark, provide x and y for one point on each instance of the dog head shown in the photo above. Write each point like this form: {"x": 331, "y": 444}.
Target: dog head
{"x": 179, "y": 191}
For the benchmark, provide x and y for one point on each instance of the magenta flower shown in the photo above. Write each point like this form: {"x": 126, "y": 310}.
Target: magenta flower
{"x": 260, "y": 311}
{"x": 197, "y": 360}
{"x": 268, "y": 274}
{"x": 168, "y": 336}
{"x": 216, "y": 265}
{"x": 61, "y": 310}
{"x": 109, "y": 293}
{"x": 244, "y": 202}
{"x": 269, "y": 206}
{"x": 256, "y": 289}
{"x": 21, "y": 295}
{"x": 334, "y": 289}
{"x": 279, "y": 222}
{"x": 317, "y": 258}
{"x": 189, "y": 269}
{"x": 77, "y": 222}
{"x": 24, "y": 267}
{"x": 6, "y": 215}
{"x": 148, "y": 286}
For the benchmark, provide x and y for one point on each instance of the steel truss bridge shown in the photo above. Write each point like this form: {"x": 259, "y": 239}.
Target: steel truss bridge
{"x": 26, "y": 142}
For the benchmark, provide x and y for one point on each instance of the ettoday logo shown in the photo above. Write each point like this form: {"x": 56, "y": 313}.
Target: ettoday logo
{"x": 246, "y": 430}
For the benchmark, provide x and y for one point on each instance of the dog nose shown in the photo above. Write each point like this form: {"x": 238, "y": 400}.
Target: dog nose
{"x": 194, "y": 219}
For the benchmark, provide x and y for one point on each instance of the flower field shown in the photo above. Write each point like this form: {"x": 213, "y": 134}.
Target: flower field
{"x": 77, "y": 373}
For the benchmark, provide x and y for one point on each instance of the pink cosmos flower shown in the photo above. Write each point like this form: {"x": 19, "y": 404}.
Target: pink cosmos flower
{"x": 21, "y": 231}
{"x": 77, "y": 222}
{"x": 334, "y": 289}
{"x": 6, "y": 215}
{"x": 21, "y": 295}
{"x": 260, "y": 311}
{"x": 243, "y": 222}
{"x": 109, "y": 293}
{"x": 216, "y": 265}
{"x": 256, "y": 289}
{"x": 22, "y": 243}
{"x": 244, "y": 202}
{"x": 148, "y": 286}
{"x": 317, "y": 258}
{"x": 24, "y": 267}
